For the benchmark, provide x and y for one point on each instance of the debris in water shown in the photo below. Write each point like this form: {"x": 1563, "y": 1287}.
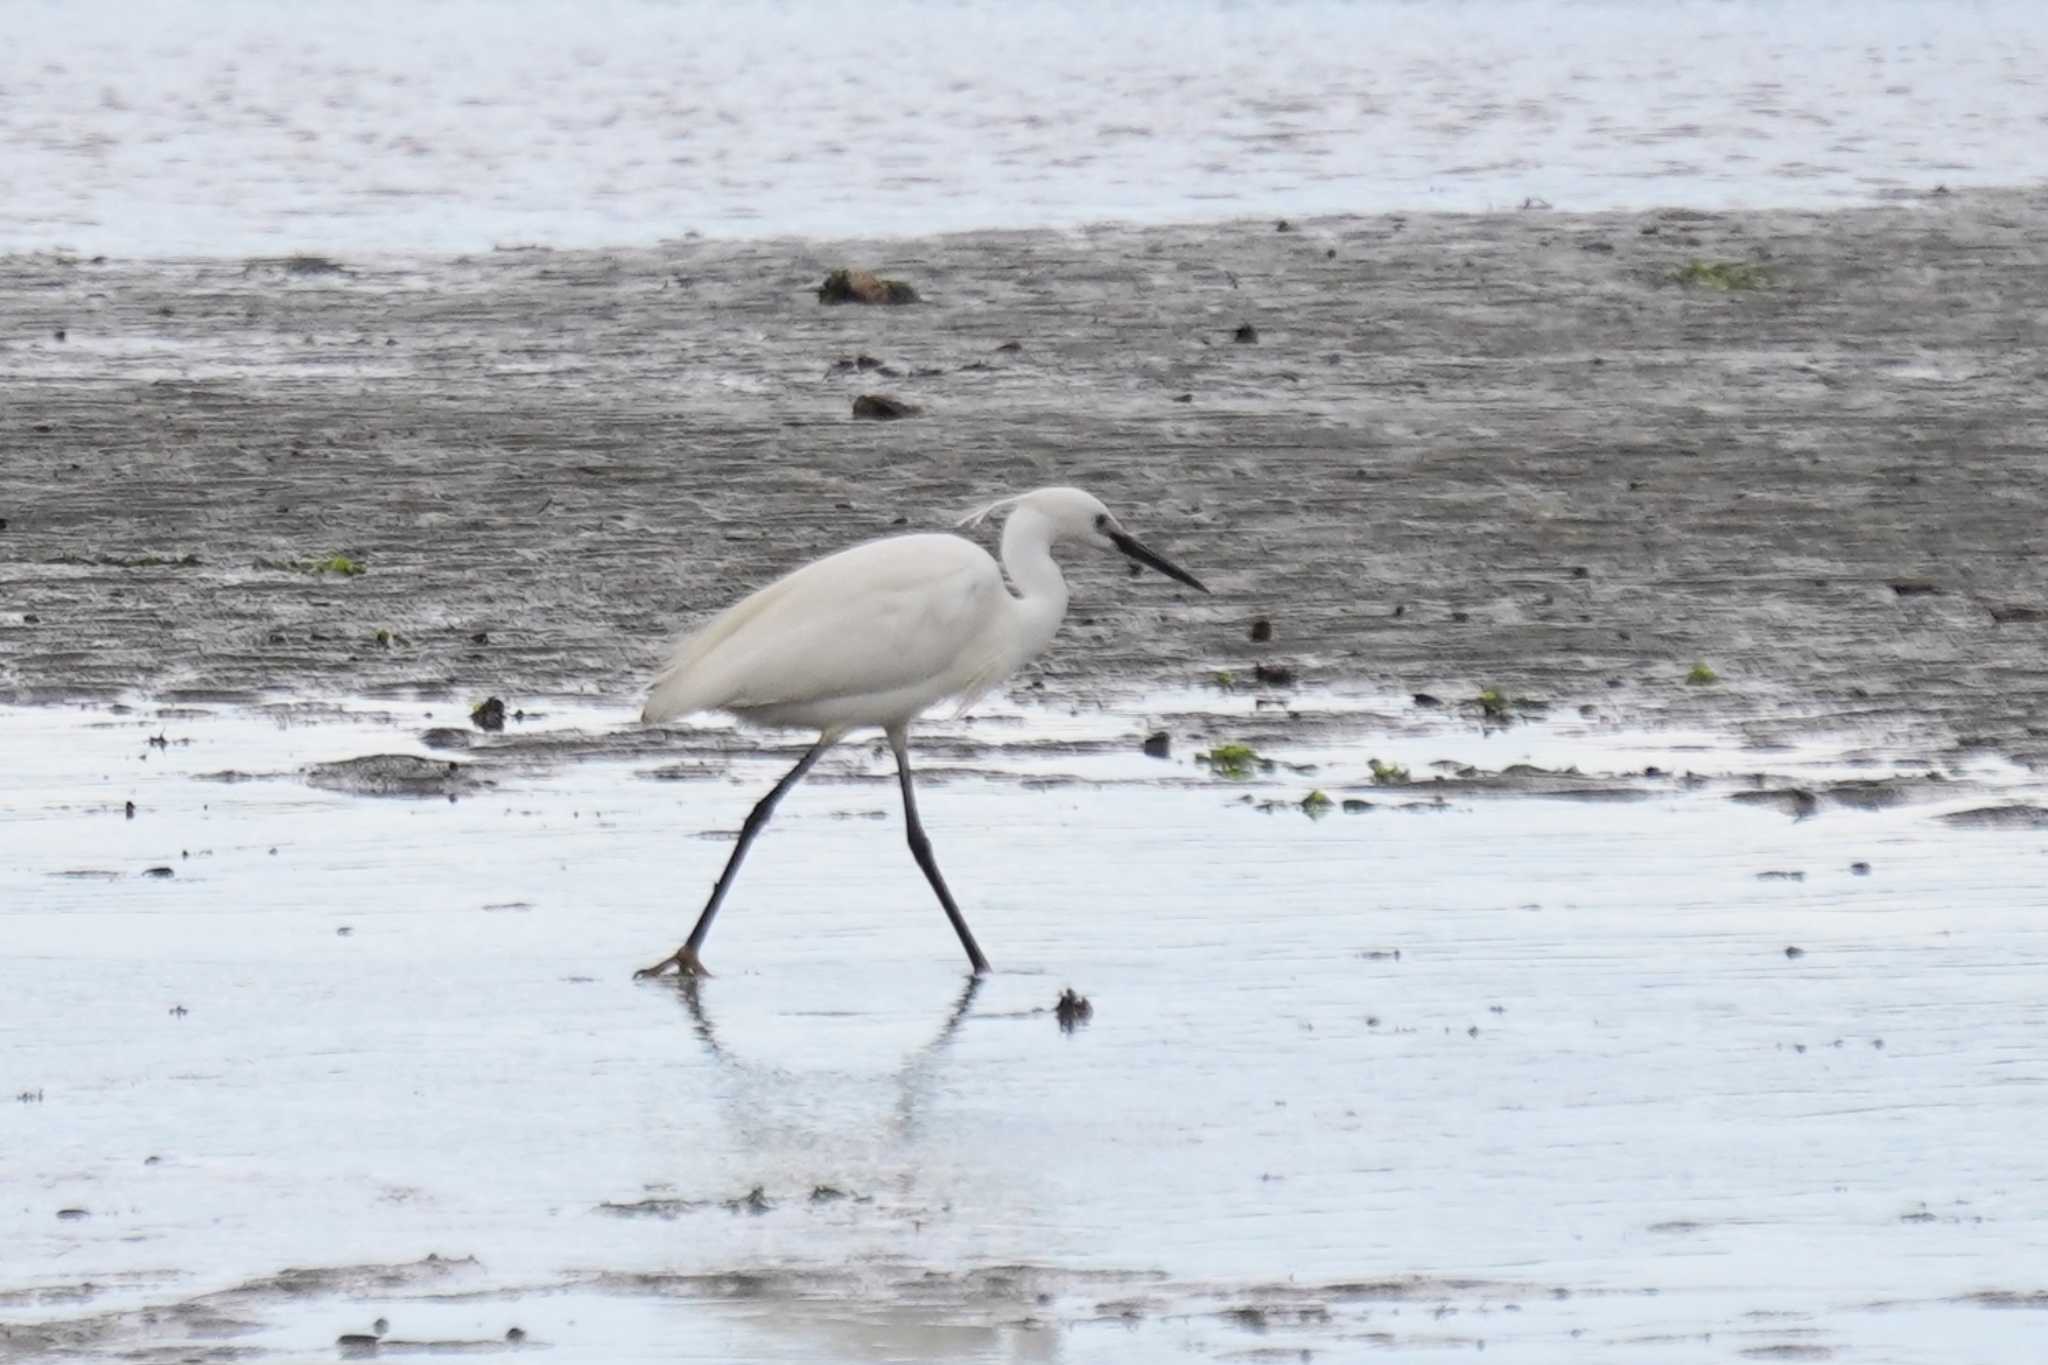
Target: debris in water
{"x": 1262, "y": 631}
{"x": 1072, "y": 1010}
{"x": 753, "y": 1201}
{"x": 1795, "y": 952}
{"x": 1245, "y": 335}
{"x": 1158, "y": 744}
{"x": 488, "y": 714}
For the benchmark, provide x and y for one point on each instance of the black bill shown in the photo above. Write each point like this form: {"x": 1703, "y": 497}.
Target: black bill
{"x": 1130, "y": 546}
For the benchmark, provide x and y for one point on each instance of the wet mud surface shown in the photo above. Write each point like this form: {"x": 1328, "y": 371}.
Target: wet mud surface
{"x": 1508, "y": 452}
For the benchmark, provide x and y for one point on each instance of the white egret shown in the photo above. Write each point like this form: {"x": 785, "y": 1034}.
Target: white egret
{"x": 876, "y": 635}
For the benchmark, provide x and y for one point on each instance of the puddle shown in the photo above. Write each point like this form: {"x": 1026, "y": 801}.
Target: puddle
{"x": 1476, "y": 1065}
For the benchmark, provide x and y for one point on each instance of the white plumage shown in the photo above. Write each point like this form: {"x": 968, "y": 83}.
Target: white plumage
{"x": 881, "y": 631}
{"x": 876, "y": 635}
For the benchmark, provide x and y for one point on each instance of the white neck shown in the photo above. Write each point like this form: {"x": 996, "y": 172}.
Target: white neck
{"x": 1041, "y": 599}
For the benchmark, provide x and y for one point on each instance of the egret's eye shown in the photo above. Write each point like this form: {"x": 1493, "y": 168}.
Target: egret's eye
{"x": 1102, "y": 521}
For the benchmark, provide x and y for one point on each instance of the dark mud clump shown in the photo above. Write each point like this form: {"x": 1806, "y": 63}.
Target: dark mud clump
{"x": 1158, "y": 744}
{"x": 488, "y": 714}
{"x": 392, "y": 775}
{"x": 862, "y": 286}
{"x": 880, "y": 407}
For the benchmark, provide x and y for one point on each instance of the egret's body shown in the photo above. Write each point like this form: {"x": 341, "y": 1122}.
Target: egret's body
{"x": 875, "y": 636}
{"x": 868, "y": 636}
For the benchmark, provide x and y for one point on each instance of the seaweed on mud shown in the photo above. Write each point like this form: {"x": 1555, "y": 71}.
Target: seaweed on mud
{"x": 1234, "y": 761}
{"x": 1725, "y": 276}
{"x": 346, "y": 566}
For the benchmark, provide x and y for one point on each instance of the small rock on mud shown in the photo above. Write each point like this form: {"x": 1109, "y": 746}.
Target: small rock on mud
{"x": 448, "y": 737}
{"x": 864, "y": 286}
{"x": 488, "y": 714}
{"x": 1158, "y": 744}
{"x": 1262, "y": 631}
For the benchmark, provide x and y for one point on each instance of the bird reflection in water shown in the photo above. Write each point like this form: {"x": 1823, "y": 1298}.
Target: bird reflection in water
{"x": 912, "y": 1077}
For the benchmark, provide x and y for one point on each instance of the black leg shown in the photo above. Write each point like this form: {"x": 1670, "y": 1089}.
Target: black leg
{"x": 921, "y": 849}
{"x": 684, "y": 959}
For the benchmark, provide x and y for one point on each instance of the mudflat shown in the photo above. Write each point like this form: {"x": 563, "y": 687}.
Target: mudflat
{"x": 1563, "y": 456}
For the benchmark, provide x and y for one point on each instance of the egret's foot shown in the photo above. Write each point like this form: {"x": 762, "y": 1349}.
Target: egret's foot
{"x": 683, "y": 959}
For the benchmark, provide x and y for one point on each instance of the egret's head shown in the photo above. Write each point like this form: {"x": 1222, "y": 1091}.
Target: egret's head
{"x": 1071, "y": 514}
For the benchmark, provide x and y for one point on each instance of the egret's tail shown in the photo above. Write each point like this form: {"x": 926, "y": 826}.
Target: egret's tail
{"x": 707, "y": 669}
{"x": 688, "y": 683}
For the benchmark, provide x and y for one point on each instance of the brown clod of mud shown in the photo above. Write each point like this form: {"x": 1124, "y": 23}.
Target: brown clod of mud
{"x": 863, "y": 286}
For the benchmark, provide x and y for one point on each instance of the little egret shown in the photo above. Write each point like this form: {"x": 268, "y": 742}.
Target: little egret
{"x": 876, "y": 635}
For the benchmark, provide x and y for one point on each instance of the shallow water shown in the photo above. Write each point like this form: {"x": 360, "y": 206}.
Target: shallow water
{"x": 1471, "y": 1065}
{"x": 225, "y": 129}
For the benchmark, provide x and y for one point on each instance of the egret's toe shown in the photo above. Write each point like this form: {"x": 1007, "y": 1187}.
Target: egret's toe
{"x": 684, "y": 960}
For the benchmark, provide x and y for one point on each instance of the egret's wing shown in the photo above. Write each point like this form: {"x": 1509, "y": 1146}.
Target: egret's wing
{"x": 880, "y": 617}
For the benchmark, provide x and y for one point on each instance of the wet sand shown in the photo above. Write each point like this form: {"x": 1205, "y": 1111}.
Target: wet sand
{"x": 1501, "y": 451}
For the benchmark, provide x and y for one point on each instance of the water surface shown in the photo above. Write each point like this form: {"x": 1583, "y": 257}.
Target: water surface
{"x": 239, "y": 128}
